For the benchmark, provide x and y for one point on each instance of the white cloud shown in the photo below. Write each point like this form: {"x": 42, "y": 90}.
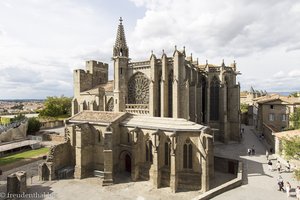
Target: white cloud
{"x": 51, "y": 38}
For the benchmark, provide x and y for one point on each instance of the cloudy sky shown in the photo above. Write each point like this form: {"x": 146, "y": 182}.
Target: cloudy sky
{"x": 42, "y": 41}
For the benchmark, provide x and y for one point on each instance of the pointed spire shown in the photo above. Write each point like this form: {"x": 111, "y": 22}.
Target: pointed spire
{"x": 120, "y": 47}
{"x": 223, "y": 64}
{"x": 252, "y": 90}
{"x": 183, "y": 51}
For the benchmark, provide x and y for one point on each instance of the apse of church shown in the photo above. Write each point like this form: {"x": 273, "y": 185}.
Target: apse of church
{"x": 175, "y": 86}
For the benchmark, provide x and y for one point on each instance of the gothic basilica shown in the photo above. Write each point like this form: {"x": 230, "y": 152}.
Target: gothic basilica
{"x": 157, "y": 120}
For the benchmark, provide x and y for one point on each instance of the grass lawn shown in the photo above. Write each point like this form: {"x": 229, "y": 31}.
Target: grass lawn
{"x": 20, "y": 156}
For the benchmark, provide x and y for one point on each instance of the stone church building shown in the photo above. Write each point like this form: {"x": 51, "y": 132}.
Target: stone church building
{"x": 156, "y": 120}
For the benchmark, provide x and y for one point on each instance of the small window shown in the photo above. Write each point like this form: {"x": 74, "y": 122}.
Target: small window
{"x": 167, "y": 154}
{"x": 128, "y": 137}
{"x": 271, "y": 117}
{"x": 121, "y": 70}
{"x": 271, "y": 106}
{"x": 283, "y": 117}
{"x": 149, "y": 156}
{"x": 99, "y": 136}
{"x": 188, "y": 155}
{"x": 116, "y": 101}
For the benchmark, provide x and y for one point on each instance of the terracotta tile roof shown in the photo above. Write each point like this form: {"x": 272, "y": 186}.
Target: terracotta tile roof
{"x": 289, "y": 100}
{"x": 96, "y": 116}
{"x": 287, "y": 134}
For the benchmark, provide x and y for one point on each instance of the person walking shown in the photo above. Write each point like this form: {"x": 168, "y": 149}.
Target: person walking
{"x": 288, "y": 166}
{"x": 298, "y": 192}
{"x": 267, "y": 154}
{"x": 288, "y": 189}
{"x": 253, "y": 150}
{"x": 270, "y": 165}
{"x": 280, "y": 183}
{"x": 278, "y": 166}
{"x": 249, "y": 151}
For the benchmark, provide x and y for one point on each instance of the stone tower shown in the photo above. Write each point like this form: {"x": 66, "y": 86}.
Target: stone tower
{"x": 120, "y": 59}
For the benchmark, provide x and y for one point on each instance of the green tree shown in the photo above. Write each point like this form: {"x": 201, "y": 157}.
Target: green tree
{"x": 294, "y": 94}
{"x": 19, "y": 117}
{"x": 57, "y": 106}
{"x": 34, "y": 125}
{"x": 244, "y": 108}
{"x": 295, "y": 119}
{"x": 291, "y": 147}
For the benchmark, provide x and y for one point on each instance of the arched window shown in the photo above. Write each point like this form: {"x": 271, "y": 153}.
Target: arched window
{"x": 149, "y": 156}
{"x": 188, "y": 155}
{"x": 84, "y": 105}
{"x": 167, "y": 153}
{"x": 227, "y": 93}
{"x": 203, "y": 99}
{"x": 170, "y": 94}
{"x": 99, "y": 135}
{"x": 110, "y": 105}
{"x": 159, "y": 95}
{"x": 214, "y": 99}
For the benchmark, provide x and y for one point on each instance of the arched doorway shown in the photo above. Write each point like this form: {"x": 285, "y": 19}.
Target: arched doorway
{"x": 127, "y": 163}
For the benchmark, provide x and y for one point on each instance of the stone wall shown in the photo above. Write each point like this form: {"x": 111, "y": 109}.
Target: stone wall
{"x": 226, "y": 165}
{"x": 53, "y": 137}
{"x": 16, "y": 183}
{"x": 52, "y": 124}
{"x": 224, "y": 187}
{"x": 14, "y": 133}
{"x": 60, "y": 156}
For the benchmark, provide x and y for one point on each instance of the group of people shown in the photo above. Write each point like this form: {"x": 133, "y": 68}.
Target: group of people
{"x": 282, "y": 186}
{"x": 278, "y": 166}
{"x": 280, "y": 181}
{"x": 288, "y": 187}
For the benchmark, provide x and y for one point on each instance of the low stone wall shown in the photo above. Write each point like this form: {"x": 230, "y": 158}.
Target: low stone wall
{"x": 224, "y": 187}
{"x": 52, "y": 124}
{"x": 53, "y": 137}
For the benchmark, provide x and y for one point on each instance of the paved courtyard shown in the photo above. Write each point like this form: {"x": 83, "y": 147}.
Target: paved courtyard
{"x": 258, "y": 182}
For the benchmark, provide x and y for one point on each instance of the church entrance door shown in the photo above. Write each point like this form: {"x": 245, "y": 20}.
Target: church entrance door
{"x": 127, "y": 163}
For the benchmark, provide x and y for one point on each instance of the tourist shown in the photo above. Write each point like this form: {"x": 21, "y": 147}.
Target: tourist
{"x": 280, "y": 183}
{"x": 249, "y": 152}
{"x": 298, "y": 192}
{"x": 270, "y": 165}
{"x": 267, "y": 154}
{"x": 253, "y": 150}
{"x": 288, "y": 188}
{"x": 288, "y": 166}
{"x": 278, "y": 166}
